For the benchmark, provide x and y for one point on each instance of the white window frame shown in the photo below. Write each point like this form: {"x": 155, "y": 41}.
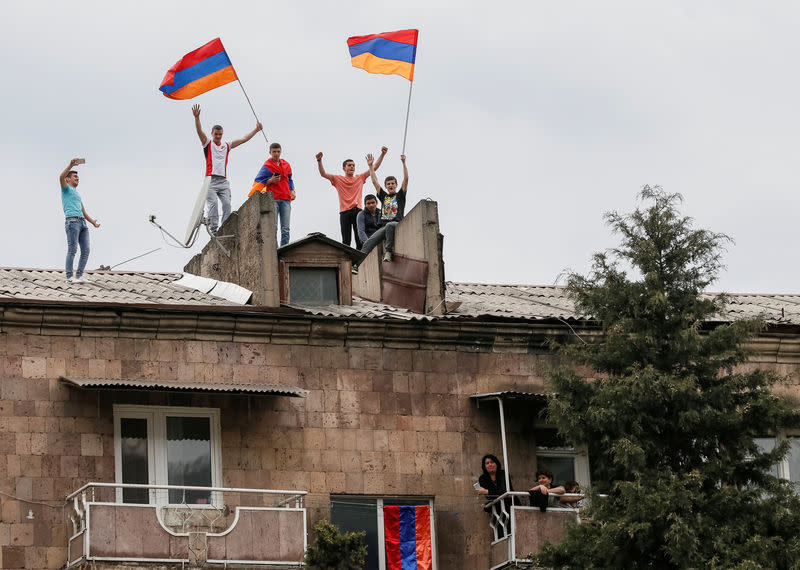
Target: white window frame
{"x": 157, "y": 444}
{"x": 783, "y": 465}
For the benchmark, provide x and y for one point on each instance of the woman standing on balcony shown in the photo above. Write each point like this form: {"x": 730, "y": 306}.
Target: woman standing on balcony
{"x": 492, "y": 483}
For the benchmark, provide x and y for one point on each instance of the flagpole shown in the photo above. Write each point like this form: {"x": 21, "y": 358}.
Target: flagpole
{"x": 408, "y": 110}
{"x": 239, "y": 81}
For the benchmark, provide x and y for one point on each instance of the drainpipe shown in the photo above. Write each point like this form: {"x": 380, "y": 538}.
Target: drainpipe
{"x": 503, "y": 436}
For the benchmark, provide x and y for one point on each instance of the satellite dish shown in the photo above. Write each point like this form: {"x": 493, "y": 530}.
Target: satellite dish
{"x": 195, "y": 221}
{"x": 197, "y": 212}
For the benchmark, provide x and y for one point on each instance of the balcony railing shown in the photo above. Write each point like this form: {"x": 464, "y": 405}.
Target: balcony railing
{"x": 520, "y": 530}
{"x": 127, "y": 523}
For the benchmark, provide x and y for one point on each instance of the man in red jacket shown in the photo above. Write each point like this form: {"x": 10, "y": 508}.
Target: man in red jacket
{"x": 276, "y": 177}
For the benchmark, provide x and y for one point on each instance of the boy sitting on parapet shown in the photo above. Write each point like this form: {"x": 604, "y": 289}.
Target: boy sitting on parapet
{"x": 393, "y": 204}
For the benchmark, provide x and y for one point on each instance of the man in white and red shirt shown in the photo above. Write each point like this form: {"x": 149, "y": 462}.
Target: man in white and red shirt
{"x": 349, "y": 188}
{"x": 216, "y": 153}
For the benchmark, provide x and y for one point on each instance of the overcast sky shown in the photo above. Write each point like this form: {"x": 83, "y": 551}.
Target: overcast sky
{"x": 528, "y": 120}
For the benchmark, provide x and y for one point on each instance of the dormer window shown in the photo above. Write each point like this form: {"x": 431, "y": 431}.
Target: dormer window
{"x": 316, "y": 271}
{"x": 313, "y": 286}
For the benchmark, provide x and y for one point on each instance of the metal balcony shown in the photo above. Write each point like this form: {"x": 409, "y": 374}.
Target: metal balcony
{"x": 520, "y": 530}
{"x": 125, "y": 524}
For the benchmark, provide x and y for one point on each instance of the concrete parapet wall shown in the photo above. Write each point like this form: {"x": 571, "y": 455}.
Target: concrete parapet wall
{"x": 253, "y": 260}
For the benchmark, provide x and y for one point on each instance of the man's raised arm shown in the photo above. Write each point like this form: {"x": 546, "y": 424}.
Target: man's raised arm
{"x": 62, "y": 178}
{"x": 248, "y": 136}
{"x": 404, "y": 186}
{"x": 384, "y": 150}
{"x": 198, "y": 126}
{"x": 375, "y": 183}
{"x": 322, "y": 168}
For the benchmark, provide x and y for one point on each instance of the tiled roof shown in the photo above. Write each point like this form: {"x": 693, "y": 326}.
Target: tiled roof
{"x": 510, "y": 301}
{"x": 773, "y": 308}
{"x": 551, "y": 302}
{"x": 463, "y": 300}
{"x": 104, "y": 287}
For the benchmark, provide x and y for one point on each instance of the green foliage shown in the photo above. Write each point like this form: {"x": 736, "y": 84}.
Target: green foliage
{"x": 670, "y": 422}
{"x": 335, "y": 550}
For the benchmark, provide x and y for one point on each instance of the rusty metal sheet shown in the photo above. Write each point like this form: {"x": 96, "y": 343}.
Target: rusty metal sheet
{"x": 404, "y": 282}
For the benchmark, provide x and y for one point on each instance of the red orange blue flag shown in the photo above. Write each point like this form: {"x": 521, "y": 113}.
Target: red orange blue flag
{"x": 407, "y": 533}
{"x": 199, "y": 71}
{"x": 390, "y": 53}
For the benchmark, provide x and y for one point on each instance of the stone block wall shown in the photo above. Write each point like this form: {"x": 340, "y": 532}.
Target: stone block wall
{"x": 377, "y": 421}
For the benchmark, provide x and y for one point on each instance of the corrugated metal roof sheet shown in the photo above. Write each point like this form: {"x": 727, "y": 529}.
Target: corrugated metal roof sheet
{"x": 511, "y": 395}
{"x": 363, "y": 309}
{"x": 222, "y": 289}
{"x": 228, "y": 388}
{"x": 103, "y": 287}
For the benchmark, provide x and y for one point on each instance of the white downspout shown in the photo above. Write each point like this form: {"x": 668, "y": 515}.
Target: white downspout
{"x": 503, "y": 436}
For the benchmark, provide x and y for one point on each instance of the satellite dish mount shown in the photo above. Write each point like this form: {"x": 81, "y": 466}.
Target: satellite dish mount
{"x": 197, "y": 219}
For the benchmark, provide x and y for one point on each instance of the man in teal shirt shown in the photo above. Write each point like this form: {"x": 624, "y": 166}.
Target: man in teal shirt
{"x": 75, "y": 223}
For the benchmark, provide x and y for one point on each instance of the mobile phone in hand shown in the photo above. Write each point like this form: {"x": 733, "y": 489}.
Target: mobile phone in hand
{"x": 81, "y": 161}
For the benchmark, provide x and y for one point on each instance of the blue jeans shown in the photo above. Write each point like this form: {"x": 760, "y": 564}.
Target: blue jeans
{"x": 219, "y": 188}
{"x": 77, "y": 235}
{"x": 283, "y": 210}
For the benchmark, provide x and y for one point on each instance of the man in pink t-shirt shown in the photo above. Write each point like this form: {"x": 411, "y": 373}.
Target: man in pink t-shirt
{"x": 349, "y": 188}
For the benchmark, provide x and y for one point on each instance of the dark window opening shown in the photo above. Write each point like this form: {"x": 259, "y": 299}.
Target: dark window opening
{"x": 313, "y": 286}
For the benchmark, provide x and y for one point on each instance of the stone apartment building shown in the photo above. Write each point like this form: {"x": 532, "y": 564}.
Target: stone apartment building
{"x": 210, "y": 418}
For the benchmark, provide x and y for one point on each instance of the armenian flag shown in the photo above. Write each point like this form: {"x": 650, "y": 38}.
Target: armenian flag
{"x": 201, "y": 70}
{"x": 390, "y": 53}
{"x": 407, "y": 532}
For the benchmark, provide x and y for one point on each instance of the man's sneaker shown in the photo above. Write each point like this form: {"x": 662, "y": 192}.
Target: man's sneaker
{"x": 387, "y": 256}
{"x": 70, "y": 280}
{"x": 81, "y": 279}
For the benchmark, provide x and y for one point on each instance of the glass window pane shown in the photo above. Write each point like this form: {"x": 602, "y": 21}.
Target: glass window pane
{"x": 563, "y": 468}
{"x": 313, "y": 286}
{"x": 793, "y": 459}
{"x": 133, "y": 440}
{"x": 549, "y": 438}
{"x": 767, "y": 444}
{"x": 356, "y": 515}
{"x": 189, "y": 458}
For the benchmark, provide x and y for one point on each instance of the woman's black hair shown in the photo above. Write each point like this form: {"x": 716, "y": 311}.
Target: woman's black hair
{"x": 493, "y": 458}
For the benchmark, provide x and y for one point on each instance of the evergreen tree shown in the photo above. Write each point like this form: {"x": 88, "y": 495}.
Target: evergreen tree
{"x": 671, "y": 420}
{"x": 335, "y": 550}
